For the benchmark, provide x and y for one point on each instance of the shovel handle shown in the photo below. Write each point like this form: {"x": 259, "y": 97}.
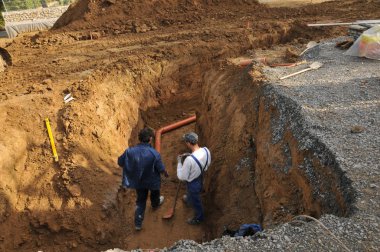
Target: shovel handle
{"x": 304, "y": 51}
{"x": 170, "y": 212}
{"x": 290, "y": 75}
{"x": 176, "y": 195}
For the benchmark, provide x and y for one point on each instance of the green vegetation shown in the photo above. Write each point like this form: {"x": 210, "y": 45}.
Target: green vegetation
{"x": 1, "y": 16}
{"x": 22, "y": 4}
{"x": 15, "y": 5}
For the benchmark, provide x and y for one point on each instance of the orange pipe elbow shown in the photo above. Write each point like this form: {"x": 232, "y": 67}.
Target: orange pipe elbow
{"x": 159, "y": 132}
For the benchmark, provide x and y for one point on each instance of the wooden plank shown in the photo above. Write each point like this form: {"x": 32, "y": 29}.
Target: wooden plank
{"x": 342, "y": 24}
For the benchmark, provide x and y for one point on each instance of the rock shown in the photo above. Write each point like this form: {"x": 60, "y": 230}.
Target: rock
{"x": 95, "y": 133}
{"x": 74, "y": 190}
{"x": 357, "y": 129}
{"x": 50, "y": 75}
{"x": 74, "y": 244}
{"x": 95, "y": 35}
{"x": 287, "y": 238}
{"x": 47, "y": 82}
{"x": 102, "y": 238}
{"x": 142, "y": 29}
{"x": 291, "y": 56}
{"x": 2, "y": 65}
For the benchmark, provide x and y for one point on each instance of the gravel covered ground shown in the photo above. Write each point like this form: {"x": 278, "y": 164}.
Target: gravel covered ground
{"x": 340, "y": 105}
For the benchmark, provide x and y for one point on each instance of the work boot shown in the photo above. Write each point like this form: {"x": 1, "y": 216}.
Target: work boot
{"x": 162, "y": 198}
{"x": 185, "y": 200}
{"x": 193, "y": 221}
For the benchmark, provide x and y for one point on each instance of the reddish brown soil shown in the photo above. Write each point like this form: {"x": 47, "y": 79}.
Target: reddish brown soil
{"x": 117, "y": 70}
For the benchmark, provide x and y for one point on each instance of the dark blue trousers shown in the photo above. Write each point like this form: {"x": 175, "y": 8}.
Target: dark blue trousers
{"x": 142, "y": 196}
{"x": 194, "y": 189}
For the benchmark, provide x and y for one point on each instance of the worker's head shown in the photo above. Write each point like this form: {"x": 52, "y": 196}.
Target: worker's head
{"x": 190, "y": 139}
{"x": 146, "y": 135}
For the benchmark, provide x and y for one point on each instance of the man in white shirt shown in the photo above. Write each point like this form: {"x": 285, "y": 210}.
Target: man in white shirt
{"x": 192, "y": 171}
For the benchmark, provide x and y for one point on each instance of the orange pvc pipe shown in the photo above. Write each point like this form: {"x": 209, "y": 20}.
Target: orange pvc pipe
{"x": 159, "y": 132}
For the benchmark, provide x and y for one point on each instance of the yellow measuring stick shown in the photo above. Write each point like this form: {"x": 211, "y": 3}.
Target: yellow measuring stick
{"x": 51, "y": 139}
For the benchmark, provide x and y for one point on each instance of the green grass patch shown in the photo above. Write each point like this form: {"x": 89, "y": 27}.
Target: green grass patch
{"x": 2, "y": 23}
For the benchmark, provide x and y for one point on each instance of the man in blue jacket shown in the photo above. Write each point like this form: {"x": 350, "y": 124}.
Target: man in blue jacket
{"x": 142, "y": 167}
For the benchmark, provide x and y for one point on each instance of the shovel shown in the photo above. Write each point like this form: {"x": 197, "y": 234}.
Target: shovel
{"x": 170, "y": 213}
{"x": 313, "y": 66}
{"x": 309, "y": 45}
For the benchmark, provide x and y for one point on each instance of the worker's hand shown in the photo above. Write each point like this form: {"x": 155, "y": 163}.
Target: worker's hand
{"x": 166, "y": 174}
{"x": 179, "y": 159}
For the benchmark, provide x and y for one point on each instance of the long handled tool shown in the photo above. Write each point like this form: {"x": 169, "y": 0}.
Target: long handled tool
{"x": 309, "y": 45}
{"x": 170, "y": 213}
{"x": 55, "y": 154}
{"x": 313, "y": 66}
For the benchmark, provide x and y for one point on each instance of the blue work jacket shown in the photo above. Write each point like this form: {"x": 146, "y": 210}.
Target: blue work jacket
{"x": 142, "y": 167}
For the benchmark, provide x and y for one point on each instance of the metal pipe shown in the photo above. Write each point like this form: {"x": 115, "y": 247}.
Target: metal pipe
{"x": 170, "y": 127}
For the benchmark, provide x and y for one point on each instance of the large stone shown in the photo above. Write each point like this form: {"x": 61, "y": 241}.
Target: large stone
{"x": 74, "y": 190}
{"x": 2, "y": 65}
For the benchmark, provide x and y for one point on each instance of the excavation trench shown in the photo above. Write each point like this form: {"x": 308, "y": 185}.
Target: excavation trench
{"x": 261, "y": 171}
{"x": 266, "y": 168}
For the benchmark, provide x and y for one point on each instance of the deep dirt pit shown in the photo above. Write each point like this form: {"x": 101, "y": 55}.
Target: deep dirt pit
{"x": 89, "y": 210}
{"x": 122, "y": 82}
{"x": 252, "y": 180}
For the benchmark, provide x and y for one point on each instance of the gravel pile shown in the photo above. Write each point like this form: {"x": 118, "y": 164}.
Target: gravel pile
{"x": 34, "y": 14}
{"x": 297, "y": 236}
{"x": 341, "y": 106}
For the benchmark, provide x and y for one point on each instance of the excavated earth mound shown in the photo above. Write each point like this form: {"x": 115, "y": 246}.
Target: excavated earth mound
{"x": 124, "y": 16}
{"x": 126, "y": 70}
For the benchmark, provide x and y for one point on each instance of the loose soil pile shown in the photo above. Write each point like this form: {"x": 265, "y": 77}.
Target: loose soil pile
{"x": 130, "y": 63}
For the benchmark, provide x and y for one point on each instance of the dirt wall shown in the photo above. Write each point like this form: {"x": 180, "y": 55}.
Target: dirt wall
{"x": 295, "y": 173}
{"x": 271, "y": 169}
{"x": 226, "y": 125}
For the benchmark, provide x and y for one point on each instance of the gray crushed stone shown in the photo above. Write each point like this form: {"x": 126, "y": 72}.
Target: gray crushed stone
{"x": 336, "y": 100}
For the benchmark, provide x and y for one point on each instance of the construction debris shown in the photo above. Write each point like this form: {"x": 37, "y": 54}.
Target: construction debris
{"x": 357, "y": 129}
{"x": 361, "y": 22}
{"x": 68, "y": 98}
{"x": 344, "y": 45}
{"x": 367, "y": 45}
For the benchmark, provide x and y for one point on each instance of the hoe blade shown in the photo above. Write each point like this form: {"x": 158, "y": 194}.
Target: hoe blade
{"x": 169, "y": 214}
